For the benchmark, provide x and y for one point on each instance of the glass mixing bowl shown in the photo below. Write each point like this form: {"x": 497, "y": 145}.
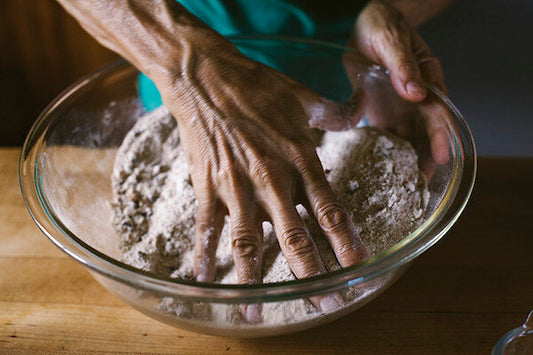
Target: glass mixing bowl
{"x": 67, "y": 159}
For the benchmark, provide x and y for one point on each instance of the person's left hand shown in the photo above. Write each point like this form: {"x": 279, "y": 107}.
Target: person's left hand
{"x": 382, "y": 36}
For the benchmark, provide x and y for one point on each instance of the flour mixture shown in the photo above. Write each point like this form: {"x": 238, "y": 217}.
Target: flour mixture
{"x": 373, "y": 173}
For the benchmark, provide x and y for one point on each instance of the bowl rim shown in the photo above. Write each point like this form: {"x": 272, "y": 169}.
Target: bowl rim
{"x": 430, "y": 232}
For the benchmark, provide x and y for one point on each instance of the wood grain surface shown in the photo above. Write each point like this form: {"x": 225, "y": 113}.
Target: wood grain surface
{"x": 43, "y": 50}
{"x": 460, "y": 297}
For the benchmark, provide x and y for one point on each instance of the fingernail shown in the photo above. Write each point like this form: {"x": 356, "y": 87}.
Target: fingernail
{"x": 203, "y": 272}
{"x": 204, "y": 277}
{"x": 415, "y": 89}
{"x": 201, "y": 278}
{"x": 252, "y": 313}
{"x": 330, "y": 304}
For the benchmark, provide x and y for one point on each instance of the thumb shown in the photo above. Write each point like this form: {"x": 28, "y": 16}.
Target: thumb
{"x": 397, "y": 57}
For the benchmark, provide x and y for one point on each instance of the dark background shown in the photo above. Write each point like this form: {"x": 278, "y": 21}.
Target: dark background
{"x": 485, "y": 48}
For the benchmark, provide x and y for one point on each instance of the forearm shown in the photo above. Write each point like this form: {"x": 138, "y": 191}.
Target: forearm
{"x": 155, "y": 36}
{"x": 417, "y": 12}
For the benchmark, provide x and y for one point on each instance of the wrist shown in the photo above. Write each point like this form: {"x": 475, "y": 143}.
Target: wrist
{"x": 172, "y": 54}
{"x": 198, "y": 67}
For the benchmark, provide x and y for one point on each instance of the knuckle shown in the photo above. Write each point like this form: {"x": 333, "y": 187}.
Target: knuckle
{"x": 239, "y": 226}
{"x": 297, "y": 243}
{"x": 345, "y": 250}
{"x": 333, "y": 217}
{"x": 204, "y": 229}
{"x": 245, "y": 245}
{"x": 205, "y": 224}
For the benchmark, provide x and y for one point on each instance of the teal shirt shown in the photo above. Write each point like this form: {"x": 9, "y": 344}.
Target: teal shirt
{"x": 323, "y": 20}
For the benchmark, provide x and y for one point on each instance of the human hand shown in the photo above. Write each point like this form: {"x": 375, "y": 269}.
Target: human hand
{"x": 245, "y": 130}
{"x": 382, "y": 36}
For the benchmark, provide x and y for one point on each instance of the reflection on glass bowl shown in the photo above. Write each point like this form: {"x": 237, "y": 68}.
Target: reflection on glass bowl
{"x": 67, "y": 159}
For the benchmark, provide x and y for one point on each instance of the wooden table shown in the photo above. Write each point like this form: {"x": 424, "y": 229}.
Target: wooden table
{"x": 459, "y": 297}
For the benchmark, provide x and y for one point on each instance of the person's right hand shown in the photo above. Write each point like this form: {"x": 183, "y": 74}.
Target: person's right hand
{"x": 244, "y": 128}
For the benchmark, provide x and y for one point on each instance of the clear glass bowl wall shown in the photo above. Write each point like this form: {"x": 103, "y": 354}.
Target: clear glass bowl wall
{"x": 68, "y": 156}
